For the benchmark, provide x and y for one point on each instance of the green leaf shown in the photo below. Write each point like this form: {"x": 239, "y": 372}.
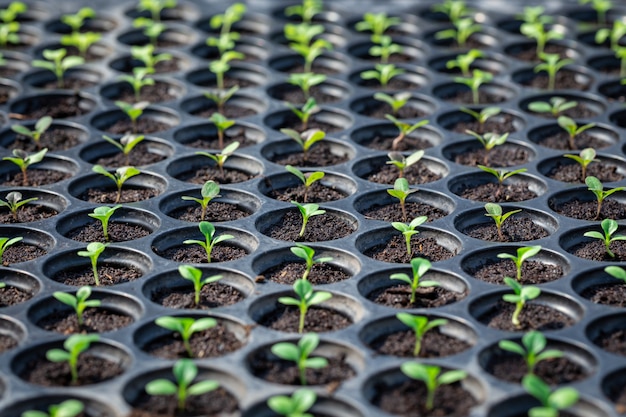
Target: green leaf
{"x": 161, "y": 387}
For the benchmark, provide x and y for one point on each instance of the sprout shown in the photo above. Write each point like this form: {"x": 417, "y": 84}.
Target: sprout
{"x": 72, "y": 348}
{"x": 94, "y": 249}
{"x": 464, "y": 61}
{"x": 420, "y": 325}
{"x": 77, "y": 20}
{"x": 551, "y": 401}
{"x": 383, "y": 73}
{"x": 146, "y": 54}
{"x": 573, "y": 130}
{"x": 138, "y": 80}
{"x": 58, "y": 63}
{"x": 126, "y": 144}
{"x": 555, "y": 107}
{"x": 14, "y": 202}
{"x": 408, "y": 230}
{"x": 186, "y": 327}
{"x": 552, "y": 64}
{"x": 474, "y": 82}
{"x": 396, "y": 102}
{"x": 523, "y": 254}
{"x": 521, "y": 295}
{"x": 537, "y": 31}
{"x": 495, "y": 212}
{"x": 306, "y": 11}
{"x": 194, "y": 275}
{"x": 221, "y": 66}
{"x": 40, "y": 128}
{"x": 209, "y": 191}
{"x": 306, "y": 298}
{"x": 67, "y": 408}
{"x": 308, "y": 179}
{"x": 221, "y": 123}
{"x": 210, "y": 240}
{"x": 81, "y": 41}
{"x": 489, "y": 141}
{"x": 9, "y": 34}
{"x": 12, "y": 11}
{"x": 120, "y": 176}
{"x": 295, "y": 406}
{"x": 104, "y": 213}
{"x": 463, "y": 29}
{"x": 532, "y": 349}
{"x": 613, "y": 34}
{"x": 535, "y": 14}
{"x": 302, "y": 33}
{"x": 385, "y": 48}
{"x": 453, "y": 9}
{"x": 220, "y": 158}
{"x": 133, "y": 111}
{"x": 151, "y": 28}
{"x": 220, "y": 97}
{"x": 305, "y": 139}
{"x": 584, "y": 158}
{"x": 305, "y": 81}
{"x": 300, "y": 354}
{"x": 377, "y": 24}
{"x": 401, "y": 162}
{"x": 482, "y": 115}
{"x": 432, "y": 377}
{"x": 401, "y": 191}
{"x": 5, "y": 242}
{"x": 78, "y": 302}
{"x": 501, "y": 175}
{"x": 404, "y": 129}
{"x": 310, "y": 52}
{"x": 595, "y": 186}
{"x": 419, "y": 267}
{"x": 233, "y": 14}
{"x": 307, "y": 211}
{"x": 304, "y": 114}
{"x": 609, "y": 227}
{"x": 23, "y": 161}
{"x": 308, "y": 255}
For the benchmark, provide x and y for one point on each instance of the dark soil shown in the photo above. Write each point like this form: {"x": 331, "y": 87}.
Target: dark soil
{"x": 230, "y": 111}
{"x": 418, "y": 173}
{"x": 96, "y": 320}
{"x": 91, "y": 370}
{"x": 31, "y": 212}
{"x": 409, "y": 143}
{"x": 378, "y": 110}
{"x": 529, "y": 53}
{"x": 395, "y": 250}
{"x": 573, "y": 172}
{"x": 596, "y": 251}
{"x": 316, "y": 193}
{"x": 533, "y": 317}
{"x": 69, "y": 83}
{"x": 533, "y": 272}
{"x": 288, "y": 272}
{"x": 495, "y": 193}
{"x": 587, "y": 210}
{"x": 501, "y": 123}
{"x": 118, "y": 232}
{"x": 162, "y": 67}
{"x": 236, "y": 133}
{"x": 514, "y": 229}
{"x": 560, "y": 141}
{"x": 319, "y": 228}
{"x": 212, "y": 295}
{"x": 194, "y": 254}
{"x": 556, "y": 371}
{"x": 54, "y": 139}
{"x": 21, "y": 252}
{"x": 399, "y": 296}
{"x": 464, "y": 96}
{"x": 613, "y": 341}
{"x": 36, "y": 177}
{"x": 141, "y": 155}
{"x": 434, "y": 344}
{"x": 208, "y": 173}
{"x": 108, "y": 196}
{"x": 564, "y": 80}
{"x": 501, "y": 156}
{"x": 216, "y": 212}
{"x": 607, "y": 294}
{"x": 144, "y": 125}
{"x": 159, "y": 92}
{"x": 318, "y": 319}
{"x": 212, "y": 404}
{"x": 11, "y": 295}
{"x": 320, "y": 155}
{"x": 109, "y": 275}
{"x": 393, "y": 212}
{"x": 56, "y": 107}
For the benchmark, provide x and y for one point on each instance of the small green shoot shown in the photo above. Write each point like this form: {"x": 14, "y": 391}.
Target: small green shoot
{"x": 221, "y": 157}
{"x": 595, "y": 186}
{"x": 6, "y": 242}
{"x": 221, "y": 66}
{"x": 79, "y": 302}
{"x": 384, "y": 48}
{"x": 186, "y": 327}
{"x": 552, "y": 402}
{"x": 57, "y": 62}
{"x": 489, "y": 141}
{"x": 306, "y": 81}
{"x": 308, "y": 255}
{"x": 23, "y": 161}
{"x": 72, "y": 348}
{"x": 609, "y": 227}
{"x": 151, "y": 28}
{"x": 81, "y": 41}
{"x": 305, "y": 11}
{"x": 14, "y": 202}
{"x": 40, "y": 128}
{"x": 104, "y": 213}
{"x": 404, "y": 129}
{"x": 474, "y": 82}
{"x": 9, "y": 34}
{"x": 221, "y": 124}
{"x": 554, "y": 107}
{"x": 532, "y": 14}
{"x": 209, "y": 191}
{"x": 482, "y": 115}
{"x": 93, "y": 252}
{"x": 307, "y": 179}
{"x": 494, "y": 211}
{"x": 296, "y": 405}
{"x": 210, "y": 240}
{"x": 419, "y": 267}
{"x": 383, "y": 73}
{"x": 12, "y": 11}
{"x": 420, "y": 326}
{"x": 572, "y": 129}
{"x": 306, "y": 298}
{"x": 146, "y": 54}
{"x": 305, "y": 139}
{"x": 523, "y": 254}
{"x": 396, "y": 101}
{"x": 305, "y": 112}
{"x": 126, "y": 144}
{"x": 299, "y": 353}
{"x": 221, "y": 97}
{"x": 302, "y": 33}
{"x": 310, "y": 52}
{"x": 613, "y": 34}
{"x": 138, "y": 80}
{"x": 537, "y": 31}
{"x": 453, "y": 9}
{"x": 408, "y": 230}
{"x": 377, "y": 24}
{"x": 77, "y": 20}
{"x": 133, "y": 111}
{"x": 307, "y": 211}
{"x": 461, "y": 32}
{"x": 120, "y": 176}
{"x": 233, "y": 14}
{"x": 155, "y": 7}
{"x": 552, "y": 64}
{"x": 67, "y": 408}
{"x": 194, "y": 275}
{"x": 401, "y": 191}
{"x": 532, "y": 349}
{"x": 432, "y": 377}
{"x": 521, "y": 295}
{"x": 501, "y": 175}
{"x": 401, "y": 162}
{"x": 464, "y": 61}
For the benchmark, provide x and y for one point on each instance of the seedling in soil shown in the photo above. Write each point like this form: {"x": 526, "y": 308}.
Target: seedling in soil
{"x": 401, "y": 162}
{"x": 209, "y": 191}
{"x": 404, "y": 129}
{"x": 5, "y": 242}
{"x": 613, "y": 34}
{"x": 120, "y": 176}
{"x": 501, "y": 175}
{"x": 194, "y": 275}
{"x": 432, "y": 377}
{"x": 482, "y": 115}
{"x": 552, "y": 64}
{"x": 308, "y": 179}
{"x": 384, "y": 48}
{"x": 301, "y": 33}
{"x": 537, "y": 31}
{"x": 145, "y": 54}
{"x": 523, "y": 254}
{"x": 155, "y": 7}
{"x": 304, "y": 114}
{"x": 307, "y": 211}
{"x": 397, "y": 101}
{"x": 306, "y": 298}
{"x": 609, "y": 227}
{"x": 552, "y": 402}
{"x": 210, "y": 240}
{"x": 226, "y": 39}
{"x": 306, "y": 139}
{"x": 221, "y": 66}
{"x": 408, "y": 230}
{"x": 305, "y": 81}
{"x": 377, "y": 24}
{"x": 40, "y": 128}
{"x": 464, "y": 28}
{"x": 221, "y": 97}
{"x": 186, "y": 327}
{"x": 220, "y": 158}
{"x": 300, "y": 354}
{"x": 535, "y": 14}
{"x": 532, "y": 349}
{"x": 494, "y": 211}
{"x": 23, "y": 161}
{"x": 79, "y": 302}
{"x": 138, "y": 80}
{"x": 306, "y": 11}
{"x": 521, "y": 295}
{"x": 12, "y": 11}
{"x": 454, "y": 9}
{"x": 67, "y": 408}
{"x": 308, "y": 255}
{"x": 14, "y": 202}
{"x": 72, "y": 348}
{"x": 419, "y": 267}
{"x": 489, "y": 141}
{"x": 310, "y": 52}
{"x": 401, "y": 191}
{"x": 595, "y": 186}
{"x": 573, "y": 130}
{"x": 420, "y": 325}
{"x": 77, "y": 20}
{"x": 57, "y": 62}
{"x": 151, "y": 28}
{"x": 295, "y": 406}
{"x": 81, "y": 41}
{"x": 464, "y": 61}
{"x": 104, "y": 213}
{"x": 126, "y": 144}
{"x": 133, "y": 111}
{"x": 474, "y": 82}
{"x": 93, "y": 252}
{"x": 221, "y": 124}
{"x": 9, "y": 27}
{"x": 616, "y": 272}
{"x": 383, "y": 73}
{"x": 185, "y": 371}
{"x": 555, "y": 107}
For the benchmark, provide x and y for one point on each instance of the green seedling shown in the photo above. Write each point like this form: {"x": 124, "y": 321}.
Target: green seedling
{"x": 537, "y": 31}
{"x": 494, "y": 211}
{"x": 310, "y": 52}
{"x": 151, "y": 28}
{"x": 521, "y": 295}
{"x": 12, "y": 11}
{"x": 186, "y": 327}
{"x": 523, "y": 254}
{"x": 501, "y": 175}
{"x": 408, "y": 230}
{"x": 489, "y": 141}
{"x": 595, "y": 186}
{"x": 194, "y": 275}
{"x": 138, "y": 80}
{"x": 221, "y": 157}
{"x": 67, "y": 408}
{"x": 533, "y": 349}
{"x": 224, "y": 22}
{"x": 377, "y": 24}
{"x": 79, "y": 302}
{"x": 185, "y": 371}
{"x": 306, "y": 11}
{"x": 104, "y": 213}
{"x": 93, "y": 252}
{"x": 383, "y": 73}
{"x": 404, "y": 129}
{"x": 306, "y": 139}
{"x": 396, "y": 101}
{"x": 432, "y": 377}
{"x": 555, "y": 107}
{"x": 620, "y": 53}
{"x": 306, "y": 298}
{"x": 572, "y": 129}
{"x": 308, "y": 255}
{"x": 307, "y": 179}
{"x": 9, "y": 34}
{"x": 221, "y": 97}
{"x": 401, "y": 162}
{"x": 40, "y": 128}
{"x": 210, "y": 240}
{"x": 120, "y": 176}
{"x": 482, "y": 115}
{"x": 146, "y": 54}
{"x": 221, "y": 66}
{"x": 224, "y": 42}
{"x": 534, "y": 14}
{"x": 126, "y": 144}
{"x": 14, "y": 202}
{"x": 420, "y": 326}
{"x": 601, "y": 7}
{"x": 133, "y": 111}
{"x": 307, "y": 211}
{"x": 5, "y": 243}
{"x": 613, "y": 34}
{"x": 77, "y": 20}
{"x": 81, "y": 41}
{"x": 552, "y": 64}
{"x": 221, "y": 124}
{"x": 23, "y": 161}
{"x": 305, "y": 81}
{"x": 302, "y": 33}
{"x": 616, "y": 272}
{"x": 419, "y": 267}
{"x": 609, "y": 227}
{"x": 3, "y": 285}
{"x": 72, "y": 348}
{"x": 384, "y": 48}
{"x": 296, "y": 405}
{"x": 299, "y": 353}
{"x": 155, "y": 7}
{"x": 464, "y": 61}
{"x": 209, "y": 191}
{"x": 305, "y": 112}
{"x": 401, "y": 191}
{"x": 474, "y": 82}
{"x": 552, "y": 402}
{"x": 453, "y": 9}
{"x": 57, "y": 62}
{"x": 463, "y": 29}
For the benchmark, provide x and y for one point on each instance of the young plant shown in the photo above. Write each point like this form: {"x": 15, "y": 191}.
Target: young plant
{"x": 501, "y": 175}
{"x": 67, "y": 408}
{"x": 155, "y": 7}
{"x": 81, "y": 41}
{"x": 396, "y": 101}
{"x": 23, "y": 161}
{"x": 226, "y": 39}
{"x": 463, "y": 29}
{"x": 572, "y": 129}
{"x": 420, "y": 326}
{"x": 93, "y": 252}
{"x": 307, "y": 211}
{"x": 432, "y": 377}
{"x": 221, "y": 157}
{"x": 299, "y": 353}
{"x": 9, "y": 33}
{"x": 408, "y": 230}
{"x": 474, "y": 82}
{"x": 221, "y": 97}
{"x": 185, "y": 371}
{"x": 104, "y": 213}
{"x": 613, "y": 34}
{"x": 532, "y": 349}
{"x": 489, "y": 141}
{"x": 57, "y": 62}
{"x": 305, "y": 112}
{"x": 209, "y": 191}
{"x": 537, "y": 31}
{"x": 210, "y": 240}
{"x": 186, "y": 327}
{"x": 307, "y": 179}
{"x": 383, "y": 73}
{"x": 194, "y": 275}
{"x": 151, "y": 28}
{"x": 221, "y": 124}
{"x": 534, "y": 14}
{"x": 14, "y": 202}
{"x": 145, "y": 54}
{"x": 308, "y": 255}
{"x": 464, "y": 61}
{"x": 401, "y": 162}
{"x": 555, "y": 107}
{"x": 305, "y": 81}
{"x": 138, "y": 80}
{"x": 595, "y": 186}
{"x": 221, "y": 66}
{"x": 601, "y": 7}
{"x": 377, "y": 24}
{"x": 302, "y": 33}
{"x": 79, "y": 302}
{"x": 72, "y": 348}
{"x": 306, "y": 11}
{"x": 5, "y": 242}
{"x": 77, "y": 20}
{"x": 523, "y": 254}
{"x": 552, "y": 64}
{"x": 521, "y": 295}
{"x": 295, "y": 406}
{"x": 120, "y": 176}
{"x": 133, "y": 111}
{"x": 609, "y": 227}
{"x": 552, "y": 402}
{"x": 310, "y": 52}
{"x": 126, "y": 144}
{"x": 404, "y": 129}
{"x": 401, "y": 191}
{"x": 482, "y": 115}
{"x": 453, "y": 9}
{"x": 494, "y": 211}
{"x": 384, "y": 48}
{"x": 306, "y": 298}
{"x": 305, "y": 139}
{"x": 40, "y": 128}
{"x": 419, "y": 266}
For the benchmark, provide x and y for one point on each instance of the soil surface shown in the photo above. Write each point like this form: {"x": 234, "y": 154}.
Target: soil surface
{"x": 109, "y": 274}
{"x": 96, "y": 320}
{"x": 395, "y": 250}
{"x": 613, "y": 341}
{"x": 118, "y": 232}
{"x": 212, "y": 295}
{"x": 515, "y": 229}
{"x": 529, "y": 52}
{"x": 212, "y": 404}
{"x": 35, "y": 178}
{"x": 54, "y": 139}
{"x": 418, "y": 173}
{"x": 288, "y": 272}
{"x": 159, "y": 92}
{"x": 556, "y": 371}
{"x": 533, "y": 272}
{"x": 144, "y": 124}
{"x": 434, "y": 344}
{"x": 318, "y": 319}
{"x": 230, "y": 111}
{"x": 129, "y": 194}
{"x": 607, "y": 294}
{"x": 294, "y": 95}
{"x": 495, "y": 193}
{"x": 216, "y": 212}
{"x": 57, "y": 107}
{"x": 194, "y": 254}
{"x": 141, "y": 155}
{"x": 465, "y": 96}
{"x": 318, "y": 229}
{"x": 501, "y": 123}
{"x": 316, "y": 193}
{"x": 412, "y": 143}
{"x": 31, "y": 212}
{"x": 560, "y": 141}
{"x": 378, "y": 110}
{"x": 564, "y": 80}
{"x": 399, "y": 296}
{"x": 596, "y": 251}
{"x": 21, "y": 252}
{"x": 587, "y": 210}
{"x": 321, "y": 154}
{"x": 212, "y": 173}
{"x": 533, "y": 317}
{"x": 7, "y": 342}
{"x": 211, "y": 141}
{"x": 11, "y": 295}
